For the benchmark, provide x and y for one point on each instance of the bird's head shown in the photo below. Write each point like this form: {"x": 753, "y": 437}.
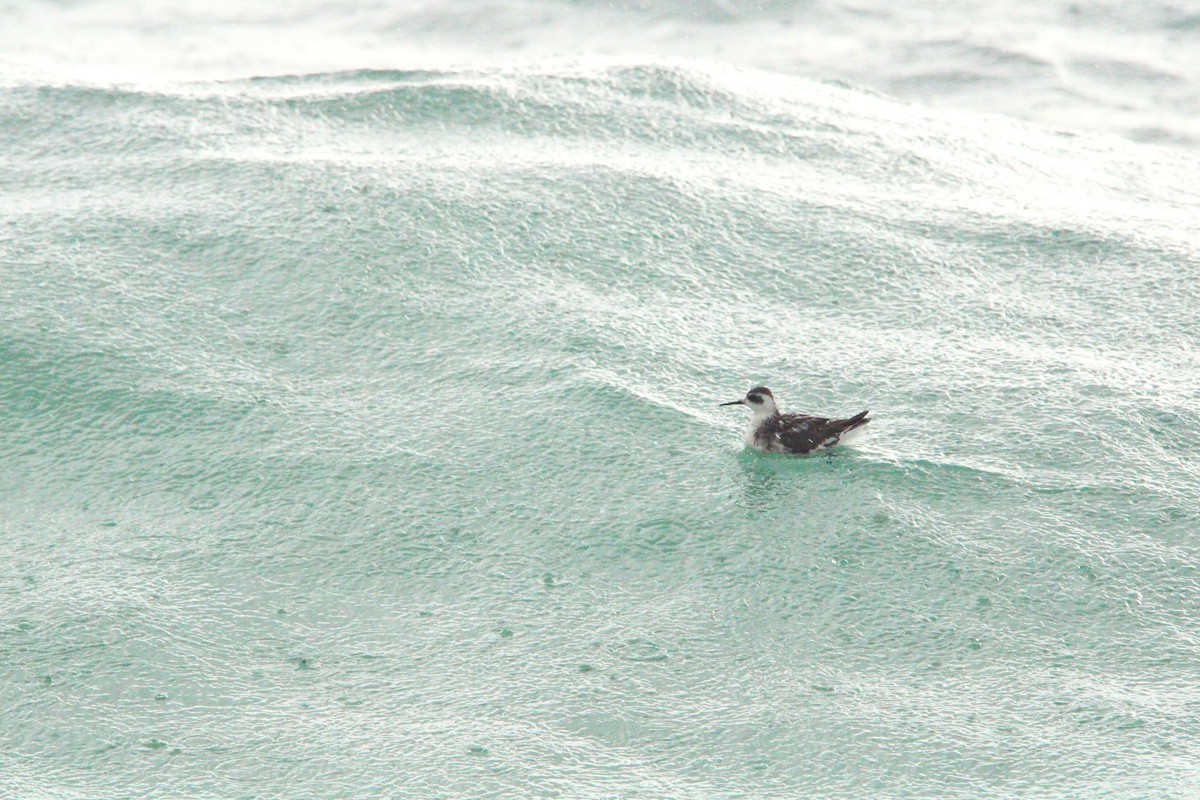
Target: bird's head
{"x": 759, "y": 399}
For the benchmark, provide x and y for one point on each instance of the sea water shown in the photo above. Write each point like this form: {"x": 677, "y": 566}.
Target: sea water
{"x": 359, "y": 371}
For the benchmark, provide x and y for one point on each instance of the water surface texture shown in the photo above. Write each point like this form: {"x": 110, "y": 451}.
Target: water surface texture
{"x": 359, "y": 431}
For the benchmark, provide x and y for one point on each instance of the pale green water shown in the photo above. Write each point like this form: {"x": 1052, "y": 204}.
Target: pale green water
{"x": 360, "y": 439}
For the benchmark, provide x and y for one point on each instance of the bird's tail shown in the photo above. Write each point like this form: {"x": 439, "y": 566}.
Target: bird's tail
{"x": 851, "y": 427}
{"x": 857, "y": 421}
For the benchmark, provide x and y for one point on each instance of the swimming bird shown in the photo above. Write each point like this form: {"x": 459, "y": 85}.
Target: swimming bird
{"x": 795, "y": 434}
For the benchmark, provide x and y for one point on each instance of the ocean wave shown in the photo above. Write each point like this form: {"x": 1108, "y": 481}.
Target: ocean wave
{"x": 351, "y": 403}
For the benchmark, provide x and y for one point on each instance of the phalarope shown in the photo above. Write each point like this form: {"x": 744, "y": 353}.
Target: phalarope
{"x": 795, "y": 434}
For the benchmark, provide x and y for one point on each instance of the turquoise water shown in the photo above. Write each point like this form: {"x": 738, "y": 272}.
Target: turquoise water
{"x": 360, "y": 439}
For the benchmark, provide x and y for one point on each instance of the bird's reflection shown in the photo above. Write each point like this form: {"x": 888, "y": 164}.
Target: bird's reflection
{"x": 767, "y": 480}
{"x": 770, "y": 481}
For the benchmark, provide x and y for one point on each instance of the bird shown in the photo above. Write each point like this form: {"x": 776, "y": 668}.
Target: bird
{"x": 794, "y": 434}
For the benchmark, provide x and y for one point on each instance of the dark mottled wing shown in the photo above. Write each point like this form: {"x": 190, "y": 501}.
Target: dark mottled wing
{"x": 803, "y": 434}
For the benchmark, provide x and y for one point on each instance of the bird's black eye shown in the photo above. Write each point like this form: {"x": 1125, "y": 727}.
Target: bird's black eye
{"x": 754, "y": 398}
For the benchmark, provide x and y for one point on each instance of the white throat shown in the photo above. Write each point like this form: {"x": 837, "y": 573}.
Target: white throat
{"x": 761, "y": 414}
{"x": 764, "y": 409}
